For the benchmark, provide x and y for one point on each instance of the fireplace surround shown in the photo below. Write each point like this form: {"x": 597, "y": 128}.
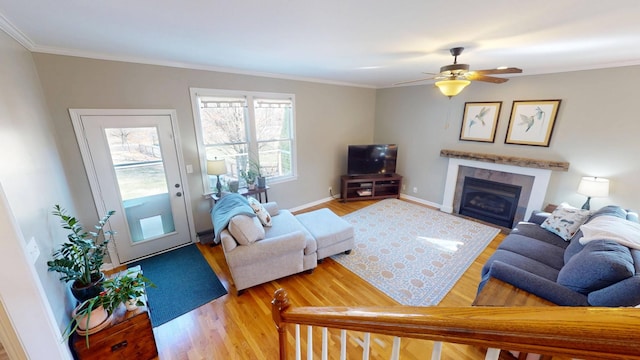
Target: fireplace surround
{"x": 538, "y": 171}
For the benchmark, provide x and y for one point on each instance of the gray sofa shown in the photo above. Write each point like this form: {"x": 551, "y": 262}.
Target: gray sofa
{"x": 290, "y": 244}
{"x": 599, "y": 273}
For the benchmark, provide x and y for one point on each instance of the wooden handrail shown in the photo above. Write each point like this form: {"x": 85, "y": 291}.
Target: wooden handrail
{"x": 583, "y": 332}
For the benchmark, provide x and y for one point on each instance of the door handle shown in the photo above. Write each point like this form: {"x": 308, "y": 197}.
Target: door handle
{"x": 178, "y": 194}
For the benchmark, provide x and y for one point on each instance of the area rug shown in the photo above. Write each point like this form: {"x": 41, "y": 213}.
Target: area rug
{"x": 184, "y": 281}
{"x": 412, "y": 253}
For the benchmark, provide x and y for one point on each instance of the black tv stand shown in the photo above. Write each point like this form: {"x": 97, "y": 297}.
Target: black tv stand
{"x": 370, "y": 187}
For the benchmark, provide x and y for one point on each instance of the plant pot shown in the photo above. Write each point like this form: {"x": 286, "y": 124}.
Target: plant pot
{"x": 89, "y": 321}
{"x": 262, "y": 182}
{"x": 251, "y": 186}
{"x": 131, "y": 305}
{"x": 86, "y": 292}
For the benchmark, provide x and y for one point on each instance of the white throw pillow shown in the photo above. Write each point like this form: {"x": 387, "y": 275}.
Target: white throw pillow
{"x": 245, "y": 229}
{"x": 612, "y": 228}
{"x": 261, "y": 212}
{"x": 565, "y": 221}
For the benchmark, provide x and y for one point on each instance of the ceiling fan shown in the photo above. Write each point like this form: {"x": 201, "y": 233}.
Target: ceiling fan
{"x": 455, "y": 77}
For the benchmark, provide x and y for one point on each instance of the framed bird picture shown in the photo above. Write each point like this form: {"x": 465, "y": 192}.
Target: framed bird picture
{"x": 531, "y": 122}
{"x": 480, "y": 121}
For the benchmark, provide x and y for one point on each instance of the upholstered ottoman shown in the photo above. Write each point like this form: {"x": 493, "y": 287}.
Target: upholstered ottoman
{"x": 333, "y": 235}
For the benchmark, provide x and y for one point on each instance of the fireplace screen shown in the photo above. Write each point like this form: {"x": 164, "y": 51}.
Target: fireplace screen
{"x": 489, "y": 201}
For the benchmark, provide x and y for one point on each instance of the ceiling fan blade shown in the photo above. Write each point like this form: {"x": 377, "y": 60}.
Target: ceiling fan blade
{"x": 492, "y": 79}
{"x": 412, "y": 81}
{"x": 511, "y": 70}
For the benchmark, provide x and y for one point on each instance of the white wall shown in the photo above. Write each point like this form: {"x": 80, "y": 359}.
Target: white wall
{"x": 596, "y": 131}
{"x": 31, "y": 181}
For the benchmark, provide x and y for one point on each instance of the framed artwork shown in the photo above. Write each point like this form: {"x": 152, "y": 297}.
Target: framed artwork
{"x": 480, "y": 121}
{"x": 531, "y": 122}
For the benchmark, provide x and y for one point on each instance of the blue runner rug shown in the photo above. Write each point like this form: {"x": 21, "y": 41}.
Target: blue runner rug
{"x": 184, "y": 281}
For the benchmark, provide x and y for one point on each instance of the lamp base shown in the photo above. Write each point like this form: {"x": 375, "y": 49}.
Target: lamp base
{"x": 586, "y": 205}
{"x": 218, "y": 187}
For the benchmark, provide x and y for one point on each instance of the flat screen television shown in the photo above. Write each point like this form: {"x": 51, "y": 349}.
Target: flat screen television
{"x": 379, "y": 159}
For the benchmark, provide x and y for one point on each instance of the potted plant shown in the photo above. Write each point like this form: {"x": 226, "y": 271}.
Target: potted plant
{"x": 128, "y": 289}
{"x": 91, "y": 314}
{"x": 80, "y": 258}
{"x": 249, "y": 177}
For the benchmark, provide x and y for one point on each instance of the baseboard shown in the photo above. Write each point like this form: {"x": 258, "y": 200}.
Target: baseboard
{"x": 308, "y": 205}
{"x": 421, "y": 201}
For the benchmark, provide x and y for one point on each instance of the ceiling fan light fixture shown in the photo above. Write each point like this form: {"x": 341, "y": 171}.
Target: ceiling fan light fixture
{"x": 452, "y": 88}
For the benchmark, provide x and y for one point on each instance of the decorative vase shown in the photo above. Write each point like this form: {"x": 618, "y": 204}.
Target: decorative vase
{"x": 262, "y": 182}
{"x": 91, "y": 320}
{"x": 233, "y": 186}
{"x": 86, "y": 292}
{"x": 131, "y": 305}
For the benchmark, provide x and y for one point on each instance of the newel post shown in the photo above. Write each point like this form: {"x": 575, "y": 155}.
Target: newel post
{"x": 280, "y": 303}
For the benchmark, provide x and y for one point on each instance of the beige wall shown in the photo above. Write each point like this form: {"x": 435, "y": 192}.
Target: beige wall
{"x": 328, "y": 117}
{"x": 32, "y": 180}
{"x": 596, "y": 131}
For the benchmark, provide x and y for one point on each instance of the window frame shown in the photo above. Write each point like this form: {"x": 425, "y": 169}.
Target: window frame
{"x": 250, "y": 125}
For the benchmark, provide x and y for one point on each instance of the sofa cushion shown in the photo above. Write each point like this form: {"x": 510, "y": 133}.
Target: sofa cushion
{"x": 600, "y": 264}
{"x": 285, "y": 223}
{"x": 534, "y": 249}
{"x": 522, "y": 262}
{"x": 535, "y": 231}
{"x": 262, "y": 213}
{"x": 565, "y": 221}
{"x": 246, "y": 230}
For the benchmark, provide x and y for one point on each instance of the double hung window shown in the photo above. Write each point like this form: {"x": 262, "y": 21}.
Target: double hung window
{"x": 253, "y": 133}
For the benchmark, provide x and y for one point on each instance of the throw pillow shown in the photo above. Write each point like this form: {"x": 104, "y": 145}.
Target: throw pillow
{"x": 600, "y": 264}
{"x": 246, "y": 230}
{"x": 612, "y": 228}
{"x": 261, "y": 212}
{"x": 565, "y": 221}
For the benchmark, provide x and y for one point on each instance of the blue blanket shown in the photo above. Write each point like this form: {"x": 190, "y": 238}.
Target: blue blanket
{"x": 226, "y": 208}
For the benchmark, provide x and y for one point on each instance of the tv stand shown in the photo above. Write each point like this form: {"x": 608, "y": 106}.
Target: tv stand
{"x": 370, "y": 187}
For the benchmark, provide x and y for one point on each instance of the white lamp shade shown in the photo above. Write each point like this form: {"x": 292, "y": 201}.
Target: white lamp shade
{"x": 216, "y": 167}
{"x": 594, "y": 187}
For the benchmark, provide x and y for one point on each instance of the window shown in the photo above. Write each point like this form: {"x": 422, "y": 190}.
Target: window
{"x": 250, "y": 131}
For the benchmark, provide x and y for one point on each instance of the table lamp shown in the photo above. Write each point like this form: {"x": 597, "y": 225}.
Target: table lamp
{"x": 593, "y": 187}
{"x": 217, "y": 167}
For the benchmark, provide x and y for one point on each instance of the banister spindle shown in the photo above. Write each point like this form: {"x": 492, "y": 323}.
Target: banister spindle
{"x": 309, "y": 342}
{"x": 367, "y": 343}
{"x": 395, "y": 352}
{"x": 298, "y": 355}
{"x": 343, "y": 344}
{"x": 492, "y": 354}
{"x": 436, "y": 354}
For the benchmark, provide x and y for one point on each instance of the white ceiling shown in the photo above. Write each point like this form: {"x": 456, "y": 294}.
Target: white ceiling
{"x": 363, "y": 42}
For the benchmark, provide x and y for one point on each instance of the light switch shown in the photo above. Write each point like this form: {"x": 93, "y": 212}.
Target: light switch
{"x": 33, "y": 250}
{"x": 189, "y": 169}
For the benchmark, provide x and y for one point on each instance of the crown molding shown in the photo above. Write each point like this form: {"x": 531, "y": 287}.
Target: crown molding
{"x": 15, "y": 33}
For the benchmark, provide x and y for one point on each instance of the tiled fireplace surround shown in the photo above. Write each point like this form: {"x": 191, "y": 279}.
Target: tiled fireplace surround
{"x": 531, "y": 174}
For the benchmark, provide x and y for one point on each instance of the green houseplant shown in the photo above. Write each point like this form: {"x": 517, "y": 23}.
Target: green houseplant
{"x": 79, "y": 258}
{"x": 127, "y": 288}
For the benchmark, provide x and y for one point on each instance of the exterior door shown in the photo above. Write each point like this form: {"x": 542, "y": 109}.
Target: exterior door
{"x": 133, "y": 161}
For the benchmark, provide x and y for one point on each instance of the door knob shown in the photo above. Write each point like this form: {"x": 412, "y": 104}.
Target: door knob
{"x": 178, "y": 194}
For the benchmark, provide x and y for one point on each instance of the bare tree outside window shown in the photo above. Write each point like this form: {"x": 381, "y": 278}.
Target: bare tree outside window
{"x": 263, "y": 143}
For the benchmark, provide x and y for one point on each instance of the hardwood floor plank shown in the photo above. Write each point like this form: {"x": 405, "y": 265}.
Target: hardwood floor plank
{"x": 240, "y": 327}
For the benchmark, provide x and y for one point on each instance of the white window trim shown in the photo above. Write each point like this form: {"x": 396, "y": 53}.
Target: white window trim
{"x": 253, "y": 144}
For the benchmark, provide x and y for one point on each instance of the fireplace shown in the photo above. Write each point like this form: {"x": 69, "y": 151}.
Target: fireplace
{"x": 489, "y": 201}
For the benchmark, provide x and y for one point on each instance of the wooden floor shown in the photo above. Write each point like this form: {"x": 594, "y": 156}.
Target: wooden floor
{"x": 233, "y": 327}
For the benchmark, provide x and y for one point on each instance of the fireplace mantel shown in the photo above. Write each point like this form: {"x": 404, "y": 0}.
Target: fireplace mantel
{"x": 507, "y": 160}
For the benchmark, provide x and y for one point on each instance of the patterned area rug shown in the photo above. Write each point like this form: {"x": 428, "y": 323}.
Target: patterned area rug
{"x": 412, "y": 253}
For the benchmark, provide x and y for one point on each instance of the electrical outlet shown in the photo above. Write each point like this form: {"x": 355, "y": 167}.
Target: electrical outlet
{"x": 404, "y": 187}
{"x": 330, "y": 190}
{"x": 415, "y": 190}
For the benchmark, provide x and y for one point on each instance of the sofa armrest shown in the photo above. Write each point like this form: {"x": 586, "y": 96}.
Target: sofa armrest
{"x": 538, "y": 217}
{"x": 227, "y": 241}
{"x": 622, "y": 293}
{"x": 536, "y": 285}
{"x": 268, "y": 248}
{"x": 272, "y": 208}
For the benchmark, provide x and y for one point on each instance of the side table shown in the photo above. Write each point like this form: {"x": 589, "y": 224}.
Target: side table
{"x": 255, "y": 192}
{"x": 130, "y": 336}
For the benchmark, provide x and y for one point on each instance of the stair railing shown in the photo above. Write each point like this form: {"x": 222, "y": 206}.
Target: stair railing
{"x": 579, "y": 332}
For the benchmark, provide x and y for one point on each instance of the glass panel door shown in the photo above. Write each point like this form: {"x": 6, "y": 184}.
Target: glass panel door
{"x": 142, "y": 181}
